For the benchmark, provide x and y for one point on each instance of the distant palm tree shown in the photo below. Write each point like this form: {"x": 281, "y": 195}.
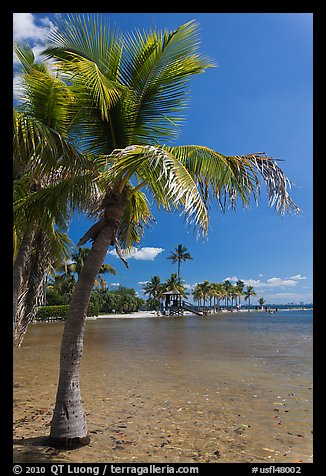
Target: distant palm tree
{"x": 180, "y": 254}
{"x": 228, "y": 289}
{"x": 154, "y": 287}
{"x": 173, "y": 283}
{"x": 240, "y": 289}
{"x": 218, "y": 293}
{"x": 248, "y": 293}
{"x": 197, "y": 294}
{"x": 205, "y": 290}
{"x": 261, "y": 302}
{"x": 78, "y": 259}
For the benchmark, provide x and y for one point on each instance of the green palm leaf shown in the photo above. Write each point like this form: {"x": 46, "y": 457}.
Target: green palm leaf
{"x": 55, "y": 203}
{"x": 156, "y": 66}
{"x": 43, "y": 151}
{"x": 228, "y": 178}
{"x": 136, "y": 216}
{"x": 164, "y": 176}
{"x": 89, "y": 53}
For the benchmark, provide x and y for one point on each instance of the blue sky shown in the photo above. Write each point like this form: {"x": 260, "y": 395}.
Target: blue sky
{"x": 258, "y": 99}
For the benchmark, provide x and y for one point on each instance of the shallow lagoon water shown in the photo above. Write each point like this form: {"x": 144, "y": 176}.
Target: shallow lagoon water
{"x": 230, "y": 387}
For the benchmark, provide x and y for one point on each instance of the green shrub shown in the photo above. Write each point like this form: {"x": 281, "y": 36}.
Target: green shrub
{"x": 60, "y": 312}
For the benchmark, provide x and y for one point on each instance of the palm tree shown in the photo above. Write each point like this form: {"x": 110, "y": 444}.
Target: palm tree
{"x": 240, "y": 289}
{"x": 42, "y": 155}
{"x": 228, "y": 288}
{"x": 78, "y": 259}
{"x": 198, "y": 294}
{"x": 218, "y": 293}
{"x": 173, "y": 283}
{"x": 154, "y": 287}
{"x": 248, "y": 293}
{"x": 130, "y": 96}
{"x": 261, "y": 302}
{"x": 205, "y": 289}
{"x": 180, "y": 254}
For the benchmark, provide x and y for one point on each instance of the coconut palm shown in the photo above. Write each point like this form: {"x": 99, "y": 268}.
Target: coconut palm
{"x": 42, "y": 155}
{"x": 240, "y": 289}
{"x": 218, "y": 293}
{"x": 249, "y": 292}
{"x": 180, "y": 254}
{"x": 261, "y": 302}
{"x": 153, "y": 287}
{"x": 78, "y": 259}
{"x": 197, "y": 294}
{"x": 130, "y": 95}
{"x": 205, "y": 289}
{"x": 228, "y": 288}
{"x": 173, "y": 283}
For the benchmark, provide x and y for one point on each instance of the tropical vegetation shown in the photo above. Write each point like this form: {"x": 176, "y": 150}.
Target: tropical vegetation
{"x": 214, "y": 294}
{"x": 120, "y": 97}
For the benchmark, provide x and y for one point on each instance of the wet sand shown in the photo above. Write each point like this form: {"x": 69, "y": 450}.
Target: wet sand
{"x": 158, "y": 391}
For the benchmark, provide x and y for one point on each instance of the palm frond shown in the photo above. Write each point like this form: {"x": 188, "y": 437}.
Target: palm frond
{"x": 87, "y": 76}
{"x": 165, "y": 177}
{"x": 47, "y": 98}
{"x": 41, "y": 149}
{"x": 229, "y": 178}
{"x": 136, "y": 216}
{"x": 156, "y": 66}
{"x": 26, "y": 58}
{"x": 55, "y": 202}
{"x": 91, "y": 37}
{"x": 88, "y": 51}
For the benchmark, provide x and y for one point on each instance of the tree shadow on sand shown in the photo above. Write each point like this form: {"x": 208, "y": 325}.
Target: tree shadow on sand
{"x": 36, "y": 450}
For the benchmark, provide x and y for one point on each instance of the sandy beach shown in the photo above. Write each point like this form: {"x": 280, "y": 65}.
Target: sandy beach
{"x": 154, "y": 392}
{"x": 131, "y": 315}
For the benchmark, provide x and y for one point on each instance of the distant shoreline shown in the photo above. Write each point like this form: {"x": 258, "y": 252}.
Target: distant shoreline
{"x": 151, "y": 314}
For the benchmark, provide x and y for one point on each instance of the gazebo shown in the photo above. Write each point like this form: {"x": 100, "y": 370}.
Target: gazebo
{"x": 172, "y": 303}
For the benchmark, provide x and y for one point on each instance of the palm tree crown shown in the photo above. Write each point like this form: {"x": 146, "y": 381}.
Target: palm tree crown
{"x": 249, "y": 292}
{"x": 180, "y": 254}
{"x": 153, "y": 287}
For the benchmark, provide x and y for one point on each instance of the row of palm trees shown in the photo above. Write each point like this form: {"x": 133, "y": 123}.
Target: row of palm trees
{"x": 207, "y": 293}
{"x": 88, "y": 137}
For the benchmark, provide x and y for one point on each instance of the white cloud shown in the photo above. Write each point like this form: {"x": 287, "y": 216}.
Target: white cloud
{"x": 273, "y": 282}
{"x": 270, "y": 283}
{"x": 298, "y": 277}
{"x": 279, "y": 282}
{"x": 252, "y": 282}
{"x": 143, "y": 282}
{"x": 114, "y": 284}
{"x": 25, "y": 28}
{"x": 144, "y": 254}
{"x": 190, "y": 287}
{"x": 233, "y": 279}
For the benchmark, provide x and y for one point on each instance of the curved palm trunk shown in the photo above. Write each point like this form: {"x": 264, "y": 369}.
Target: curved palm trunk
{"x": 68, "y": 427}
{"x": 18, "y": 271}
{"x": 32, "y": 287}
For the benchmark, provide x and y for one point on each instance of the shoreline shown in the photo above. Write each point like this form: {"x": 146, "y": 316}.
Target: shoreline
{"x": 151, "y": 314}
